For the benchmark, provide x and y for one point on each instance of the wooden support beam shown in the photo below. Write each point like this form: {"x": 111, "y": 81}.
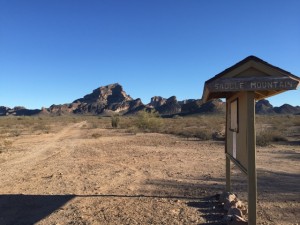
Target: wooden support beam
{"x": 251, "y": 149}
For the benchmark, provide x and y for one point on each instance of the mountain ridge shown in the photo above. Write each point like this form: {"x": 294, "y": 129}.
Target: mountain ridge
{"x": 110, "y": 99}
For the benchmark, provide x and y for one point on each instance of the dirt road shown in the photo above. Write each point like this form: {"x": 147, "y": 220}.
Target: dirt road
{"x": 76, "y": 177}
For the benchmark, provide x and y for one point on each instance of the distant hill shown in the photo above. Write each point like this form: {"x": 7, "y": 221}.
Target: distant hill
{"x": 110, "y": 99}
{"x": 264, "y": 107}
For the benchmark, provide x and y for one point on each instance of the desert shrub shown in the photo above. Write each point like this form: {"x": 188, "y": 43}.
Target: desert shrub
{"x": 115, "y": 120}
{"x": 278, "y": 137}
{"x": 297, "y": 120}
{"x": 93, "y": 125}
{"x": 5, "y": 144}
{"x": 96, "y": 135}
{"x": 199, "y": 133}
{"x": 184, "y": 133}
{"x": 16, "y": 133}
{"x": 201, "y": 127}
{"x": 204, "y": 135}
{"x": 149, "y": 121}
{"x": 41, "y": 127}
{"x": 265, "y": 137}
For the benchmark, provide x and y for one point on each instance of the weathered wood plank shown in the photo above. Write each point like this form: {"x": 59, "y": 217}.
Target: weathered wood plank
{"x": 252, "y": 84}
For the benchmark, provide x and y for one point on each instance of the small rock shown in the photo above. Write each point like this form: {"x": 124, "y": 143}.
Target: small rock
{"x": 237, "y": 220}
{"x": 235, "y": 211}
{"x": 234, "y": 220}
{"x": 229, "y": 203}
{"x": 226, "y": 195}
{"x": 241, "y": 206}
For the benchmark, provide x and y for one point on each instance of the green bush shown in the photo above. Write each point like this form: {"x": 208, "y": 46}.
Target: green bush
{"x": 149, "y": 121}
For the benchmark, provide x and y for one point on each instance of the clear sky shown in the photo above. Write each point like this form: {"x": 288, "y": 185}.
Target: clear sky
{"x": 55, "y": 51}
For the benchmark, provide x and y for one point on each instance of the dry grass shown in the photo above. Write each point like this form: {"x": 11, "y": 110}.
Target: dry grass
{"x": 266, "y": 137}
{"x": 5, "y": 144}
{"x": 199, "y": 127}
{"x": 203, "y": 127}
{"x": 276, "y": 128}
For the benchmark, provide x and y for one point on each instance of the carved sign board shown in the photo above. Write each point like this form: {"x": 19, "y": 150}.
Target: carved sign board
{"x": 252, "y": 84}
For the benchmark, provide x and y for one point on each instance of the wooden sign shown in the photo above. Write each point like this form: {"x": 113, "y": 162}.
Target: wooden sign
{"x": 241, "y": 85}
{"x": 252, "y": 84}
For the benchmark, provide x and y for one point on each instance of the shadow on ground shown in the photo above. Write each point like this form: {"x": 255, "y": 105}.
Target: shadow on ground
{"x": 210, "y": 210}
{"x": 29, "y": 209}
{"x": 201, "y": 194}
{"x": 279, "y": 183}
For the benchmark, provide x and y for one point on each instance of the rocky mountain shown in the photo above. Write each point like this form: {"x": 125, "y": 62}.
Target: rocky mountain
{"x": 18, "y": 111}
{"x": 287, "y": 109}
{"x": 264, "y": 107}
{"x": 103, "y": 100}
{"x": 113, "y": 99}
{"x": 215, "y": 106}
{"x": 170, "y": 107}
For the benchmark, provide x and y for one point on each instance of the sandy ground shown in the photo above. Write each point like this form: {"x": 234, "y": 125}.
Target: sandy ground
{"x": 71, "y": 177}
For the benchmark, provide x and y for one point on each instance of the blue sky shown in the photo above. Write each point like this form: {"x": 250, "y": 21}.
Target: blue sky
{"x": 55, "y": 51}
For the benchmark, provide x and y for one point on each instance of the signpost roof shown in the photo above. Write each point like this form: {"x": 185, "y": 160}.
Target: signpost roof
{"x": 250, "y": 74}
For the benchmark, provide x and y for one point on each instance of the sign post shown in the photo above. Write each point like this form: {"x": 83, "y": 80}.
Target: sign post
{"x": 242, "y": 84}
{"x": 251, "y": 148}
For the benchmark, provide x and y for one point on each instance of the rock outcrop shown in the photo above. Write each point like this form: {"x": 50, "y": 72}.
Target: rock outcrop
{"x": 157, "y": 101}
{"x": 287, "y": 109}
{"x": 106, "y": 95}
{"x": 191, "y": 107}
{"x": 4, "y": 111}
{"x": 103, "y": 100}
{"x": 213, "y": 107}
{"x": 264, "y": 107}
{"x": 170, "y": 107}
{"x": 18, "y": 111}
{"x": 62, "y": 109}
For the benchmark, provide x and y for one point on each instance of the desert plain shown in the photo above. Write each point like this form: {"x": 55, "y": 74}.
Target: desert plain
{"x": 64, "y": 171}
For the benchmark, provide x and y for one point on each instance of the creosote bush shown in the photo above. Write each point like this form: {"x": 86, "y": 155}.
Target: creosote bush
{"x": 149, "y": 121}
{"x": 265, "y": 137}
